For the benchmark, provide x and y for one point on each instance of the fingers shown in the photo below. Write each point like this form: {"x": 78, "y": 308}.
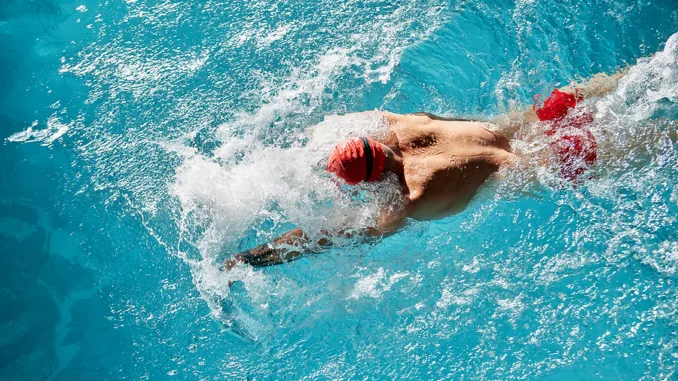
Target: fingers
{"x": 230, "y": 263}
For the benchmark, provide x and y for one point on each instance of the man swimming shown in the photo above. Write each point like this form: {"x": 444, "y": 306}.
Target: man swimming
{"x": 441, "y": 163}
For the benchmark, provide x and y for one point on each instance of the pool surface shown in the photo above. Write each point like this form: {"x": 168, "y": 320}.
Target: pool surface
{"x": 145, "y": 141}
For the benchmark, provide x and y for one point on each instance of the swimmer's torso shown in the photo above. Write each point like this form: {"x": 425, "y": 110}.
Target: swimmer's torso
{"x": 445, "y": 162}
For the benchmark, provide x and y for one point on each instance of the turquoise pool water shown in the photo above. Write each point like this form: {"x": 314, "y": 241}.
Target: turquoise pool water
{"x": 144, "y": 141}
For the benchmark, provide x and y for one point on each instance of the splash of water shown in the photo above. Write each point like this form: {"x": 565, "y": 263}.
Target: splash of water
{"x": 267, "y": 171}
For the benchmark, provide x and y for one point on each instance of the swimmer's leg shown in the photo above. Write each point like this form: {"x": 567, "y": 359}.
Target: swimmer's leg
{"x": 640, "y": 145}
{"x": 648, "y": 140}
{"x": 598, "y": 85}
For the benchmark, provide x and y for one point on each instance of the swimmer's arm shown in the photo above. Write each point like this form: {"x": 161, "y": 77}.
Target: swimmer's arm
{"x": 284, "y": 248}
{"x": 291, "y": 246}
{"x": 295, "y": 243}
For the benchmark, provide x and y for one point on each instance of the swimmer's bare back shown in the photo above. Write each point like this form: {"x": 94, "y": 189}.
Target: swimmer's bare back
{"x": 445, "y": 161}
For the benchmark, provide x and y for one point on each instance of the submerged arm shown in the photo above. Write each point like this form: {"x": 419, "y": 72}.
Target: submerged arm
{"x": 284, "y": 248}
{"x": 290, "y": 246}
{"x": 295, "y": 243}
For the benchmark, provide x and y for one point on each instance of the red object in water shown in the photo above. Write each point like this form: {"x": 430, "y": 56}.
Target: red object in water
{"x": 349, "y": 160}
{"x": 557, "y": 105}
{"x": 575, "y": 153}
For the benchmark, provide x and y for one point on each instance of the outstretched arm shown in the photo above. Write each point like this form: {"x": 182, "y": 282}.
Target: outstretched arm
{"x": 296, "y": 243}
{"x": 290, "y": 246}
{"x": 284, "y": 248}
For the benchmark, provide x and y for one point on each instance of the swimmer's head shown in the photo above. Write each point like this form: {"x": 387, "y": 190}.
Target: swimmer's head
{"x": 357, "y": 159}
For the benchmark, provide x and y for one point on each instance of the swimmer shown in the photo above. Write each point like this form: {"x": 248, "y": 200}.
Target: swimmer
{"x": 441, "y": 163}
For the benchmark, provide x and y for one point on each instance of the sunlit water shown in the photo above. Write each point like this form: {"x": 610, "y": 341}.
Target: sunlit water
{"x": 146, "y": 141}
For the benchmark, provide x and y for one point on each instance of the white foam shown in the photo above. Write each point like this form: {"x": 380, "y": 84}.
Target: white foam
{"x": 280, "y": 184}
{"x": 55, "y": 129}
{"x": 270, "y": 166}
{"x": 374, "y": 285}
{"x": 643, "y": 91}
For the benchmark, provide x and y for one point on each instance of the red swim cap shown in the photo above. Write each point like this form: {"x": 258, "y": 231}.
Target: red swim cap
{"x": 357, "y": 159}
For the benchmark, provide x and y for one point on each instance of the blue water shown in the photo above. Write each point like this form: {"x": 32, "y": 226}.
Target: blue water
{"x": 143, "y": 141}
